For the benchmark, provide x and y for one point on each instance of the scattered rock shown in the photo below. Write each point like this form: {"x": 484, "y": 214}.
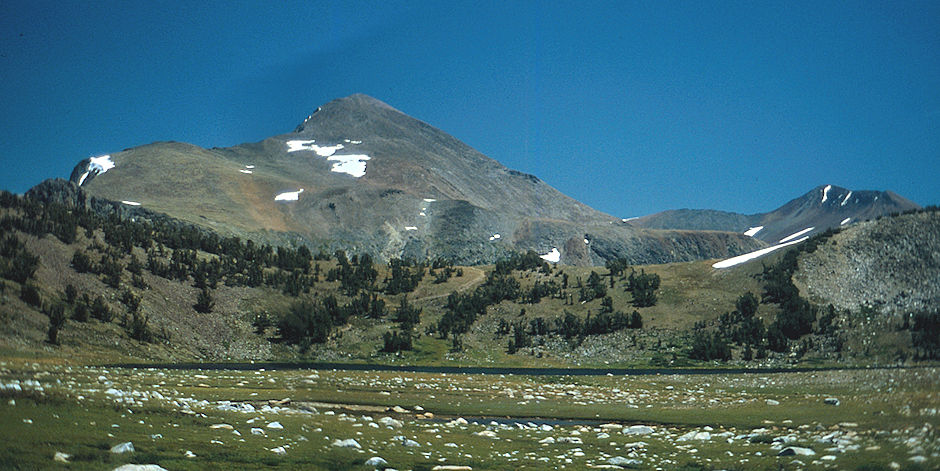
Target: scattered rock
{"x": 796, "y": 450}
{"x": 61, "y": 457}
{"x": 376, "y": 462}
{"x": 693, "y": 435}
{"x": 917, "y": 459}
{"x": 621, "y": 461}
{"x": 189, "y": 454}
{"x": 275, "y": 426}
{"x": 282, "y": 402}
{"x": 222, "y": 426}
{"x": 547, "y": 440}
{"x": 398, "y": 410}
{"x": 450, "y": 467}
{"x": 126, "y": 447}
{"x": 139, "y": 467}
{"x": 347, "y": 443}
{"x": 257, "y": 431}
{"x": 279, "y": 450}
{"x": 611, "y": 426}
{"x": 637, "y": 430}
{"x": 390, "y": 422}
{"x": 832, "y": 401}
{"x": 771, "y": 402}
{"x": 486, "y": 434}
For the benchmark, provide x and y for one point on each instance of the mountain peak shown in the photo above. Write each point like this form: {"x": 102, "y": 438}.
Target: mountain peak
{"x": 357, "y": 105}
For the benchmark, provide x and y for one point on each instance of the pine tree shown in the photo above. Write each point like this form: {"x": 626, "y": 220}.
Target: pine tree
{"x": 204, "y": 302}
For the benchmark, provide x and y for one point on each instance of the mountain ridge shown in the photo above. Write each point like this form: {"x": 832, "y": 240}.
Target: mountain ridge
{"x": 359, "y": 175}
{"x": 823, "y": 207}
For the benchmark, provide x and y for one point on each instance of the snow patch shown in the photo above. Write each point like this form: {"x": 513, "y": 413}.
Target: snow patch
{"x": 429, "y": 200}
{"x": 352, "y": 142}
{"x": 826, "y": 193}
{"x": 322, "y": 151}
{"x": 554, "y": 256}
{"x": 422, "y": 214}
{"x": 495, "y": 237}
{"x": 587, "y": 241}
{"x": 101, "y": 164}
{"x": 96, "y": 165}
{"x": 130, "y": 203}
{"x": 246, "y": 171}
{"x": 753, "y": 231}
{"x": 845, "y": 221}
{"x": 794, "y": 236}
{"x": 354, "y": 165}
{"x": 411, "y": 228}
{"x": 294, "y": 146}
{"x": 752, "y": 255}
{"x": 846, "y": 199}
{"x": 629, "y": 219}
{"x": 289, "y": 195}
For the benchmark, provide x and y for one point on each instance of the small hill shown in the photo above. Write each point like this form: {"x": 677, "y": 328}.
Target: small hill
{"x": 822, "y": 208}
{"x": 359, "y": 175}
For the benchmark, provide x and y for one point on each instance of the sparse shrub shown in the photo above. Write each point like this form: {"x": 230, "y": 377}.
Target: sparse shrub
{"x": 100, "y": 310}
{"x": 396, "y": 341}
{"x": 138, "y": 327}
{"x": 305, "y": 322}
{"x": 70, "y": 294}
{"x": 709, "y": 347}
{"x": 16, "y": 263}
{"x": 925, "y": 334}
{"x": 643, "y": 287}
{"x": 80, "y": 312}
{"x": 56, "y": 313}
{"x": 407, "y": 315}
{"x": 569, "y": 325}
{"x": 81, "y": 262}
{"x": 520, "y": 338}
{"x": 138, "y": 282}
{"x": 30, "y": 295}
{"x": 261, "y": 322}
{"x": 130, "y": 300}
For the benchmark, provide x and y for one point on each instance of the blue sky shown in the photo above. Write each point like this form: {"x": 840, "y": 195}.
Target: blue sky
{"x": 630, "y": 107}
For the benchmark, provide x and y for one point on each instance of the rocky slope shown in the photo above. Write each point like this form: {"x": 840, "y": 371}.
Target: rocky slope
{"x": 891, "y": 265}
{"x": 359, "y": 175}
{"x": 824, "y": 207}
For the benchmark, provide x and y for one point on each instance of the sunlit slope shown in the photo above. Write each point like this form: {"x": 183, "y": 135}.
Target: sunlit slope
{"x": 362, "y": 176}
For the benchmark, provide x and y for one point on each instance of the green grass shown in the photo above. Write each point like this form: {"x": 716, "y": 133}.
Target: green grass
{"x": 84, "y": 427}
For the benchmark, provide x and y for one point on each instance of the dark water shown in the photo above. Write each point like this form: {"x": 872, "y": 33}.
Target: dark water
{"x": 473, "y": 370}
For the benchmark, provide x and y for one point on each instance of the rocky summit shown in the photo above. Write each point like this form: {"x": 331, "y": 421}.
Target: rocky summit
{"x": 362, "y": 176}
